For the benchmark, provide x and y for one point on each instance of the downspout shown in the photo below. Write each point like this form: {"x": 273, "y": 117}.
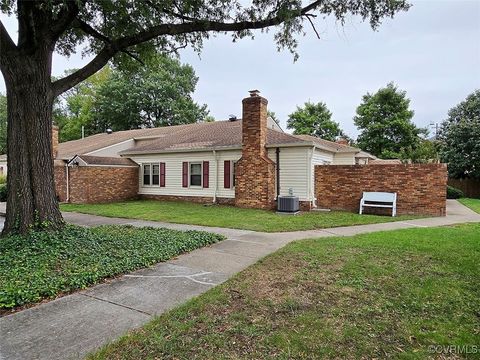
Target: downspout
{"x": 68, "y": 185}
{"x": 216, "y": 177}
{"x": 277, "y": 168}
{"x": 311, "y": 197}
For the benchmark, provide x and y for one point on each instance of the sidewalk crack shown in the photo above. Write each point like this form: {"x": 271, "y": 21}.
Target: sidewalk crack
{"x": 117, "y": 304}
{"x": 189, "y": 277}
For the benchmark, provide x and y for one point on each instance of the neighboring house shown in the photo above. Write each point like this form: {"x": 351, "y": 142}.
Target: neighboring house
{"x": 3, "y": 164}
{"x": 233, "y": 161}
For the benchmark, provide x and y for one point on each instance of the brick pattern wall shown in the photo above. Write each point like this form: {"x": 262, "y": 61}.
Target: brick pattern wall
{"x": 420, "y": 188}
{"x": 60, "y": 182}
{"x": 255, "y": 171}
{"x": 98, "y": 184}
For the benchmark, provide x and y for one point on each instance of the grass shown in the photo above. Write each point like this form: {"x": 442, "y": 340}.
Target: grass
{"x": 473, "y": 204}
{"x": 378, "y": 295}
{"x": 227, "y": 216}
{"x": 43, "y": 265}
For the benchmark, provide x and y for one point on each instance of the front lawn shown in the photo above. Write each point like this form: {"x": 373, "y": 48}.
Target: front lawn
{"x": 406, "y": 294}
{"x": 45, "y": 264}
{"x": 227, "y": 216}
{"x": 473, "y": 204}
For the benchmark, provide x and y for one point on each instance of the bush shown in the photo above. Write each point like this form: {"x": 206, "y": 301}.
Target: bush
{"x": 44, "y": 264}
{"x": 3, "y": 192}
{"x": 3, "y": 179}
{"x": 454, "y": 193}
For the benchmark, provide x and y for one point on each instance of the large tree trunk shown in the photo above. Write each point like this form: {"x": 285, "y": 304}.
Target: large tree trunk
{"x": 31, "y": 201}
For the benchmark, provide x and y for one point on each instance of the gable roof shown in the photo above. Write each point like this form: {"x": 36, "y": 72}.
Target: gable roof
{"x": 104, "y": 161}
{"x": 329, "y": 145}
{"x": 189, "y": 137}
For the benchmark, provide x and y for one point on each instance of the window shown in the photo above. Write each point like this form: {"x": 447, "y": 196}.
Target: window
{"x": 146, "y": 174}
{"x": 155, "y": 174}
{"x": 195, "y": 174}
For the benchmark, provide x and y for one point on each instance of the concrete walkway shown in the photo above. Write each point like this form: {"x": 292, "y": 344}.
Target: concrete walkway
{"x": 72, "y": 326}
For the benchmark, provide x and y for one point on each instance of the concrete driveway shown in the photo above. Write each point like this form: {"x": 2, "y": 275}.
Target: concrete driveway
{"x": 71, "y": 326}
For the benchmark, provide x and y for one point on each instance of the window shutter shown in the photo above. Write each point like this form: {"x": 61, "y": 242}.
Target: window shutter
{"x": 185, "y": 174}
{"x": 162, "y": 174}
{"x": 206, "y": 174}
{"x": 226, "y": 174}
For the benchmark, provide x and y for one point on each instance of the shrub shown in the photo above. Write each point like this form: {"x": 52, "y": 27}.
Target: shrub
{"x": 454, "y": 193}
{"x": 3, "y": 192}
{"x": 44, "y": 264}
{"x": 3, "y": 179}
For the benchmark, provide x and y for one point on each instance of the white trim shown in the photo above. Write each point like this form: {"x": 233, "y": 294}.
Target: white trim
{"x": 142, "y": 174}
{"x": 190, "y": 163}
{"x": 108, "y": 147}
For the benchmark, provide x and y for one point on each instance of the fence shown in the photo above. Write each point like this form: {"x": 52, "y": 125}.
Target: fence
{"x": 470, "y": 187}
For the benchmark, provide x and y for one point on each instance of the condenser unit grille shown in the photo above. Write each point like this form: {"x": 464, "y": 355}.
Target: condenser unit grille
{"x": 288, "y": 204}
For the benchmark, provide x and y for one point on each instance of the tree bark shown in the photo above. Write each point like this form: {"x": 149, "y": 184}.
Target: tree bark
{"x": 31, "y": 201}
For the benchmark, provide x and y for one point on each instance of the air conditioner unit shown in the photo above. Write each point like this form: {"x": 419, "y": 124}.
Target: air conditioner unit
{"x": 288, "y": 204}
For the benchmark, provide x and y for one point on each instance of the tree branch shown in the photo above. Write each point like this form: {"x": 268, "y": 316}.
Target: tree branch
{"x": 114, "y": 46}
{"x": 65, "y": 17}
{"x": 6, "y": 43}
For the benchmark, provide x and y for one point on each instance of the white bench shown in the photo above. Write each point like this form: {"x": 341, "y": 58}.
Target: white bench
{"x": 372, "y": 199}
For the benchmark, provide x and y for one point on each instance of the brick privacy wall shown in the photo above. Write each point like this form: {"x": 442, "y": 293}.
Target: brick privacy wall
{"x": 420, "y": 188}
{"x": 97, "y": 184}
{"x": 60, "y": 182}
{"x": 255, "y": 171}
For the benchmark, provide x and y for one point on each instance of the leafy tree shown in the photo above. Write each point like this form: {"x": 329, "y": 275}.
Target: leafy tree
{"x": 385, "y": 122}
{"x": 3, "y": 124}
{"x": 157, "y": 94}
{"x": 460, "y": 138}
{"x": 425, "y": 152}
{"x": 118, "y": 30}
{"x": 78, "y": 106}
{"x": 314, "y": 119}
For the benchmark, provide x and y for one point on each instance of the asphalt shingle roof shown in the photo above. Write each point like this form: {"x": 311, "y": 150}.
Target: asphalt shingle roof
{"x": 210, "y": 135}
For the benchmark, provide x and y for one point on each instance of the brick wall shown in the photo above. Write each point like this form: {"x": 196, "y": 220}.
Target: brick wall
{"x": 255, "y": 171}
{"x": 60, "y": 181}
{"x": 420, "y": 188}
{"x": 97, "y": 184}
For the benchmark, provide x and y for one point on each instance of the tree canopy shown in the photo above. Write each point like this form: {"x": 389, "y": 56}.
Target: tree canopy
{"x": 158, "y": 93}
{"x": 314, "y": 119}
{"x": 385, "y": 123}
{"x": 124, "y": 32}
{"x": 460, "y": 138}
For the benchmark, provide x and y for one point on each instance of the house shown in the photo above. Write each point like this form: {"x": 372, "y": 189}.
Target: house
{"x": 245, "y": 162}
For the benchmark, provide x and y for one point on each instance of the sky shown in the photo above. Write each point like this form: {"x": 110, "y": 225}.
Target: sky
{"x": 432, "y": 52}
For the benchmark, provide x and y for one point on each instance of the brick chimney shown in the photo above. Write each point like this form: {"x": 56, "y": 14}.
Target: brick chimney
{"x": 255, "y": 171}
{"x": 54, "y": 141}
{"x": 342, "y": 141}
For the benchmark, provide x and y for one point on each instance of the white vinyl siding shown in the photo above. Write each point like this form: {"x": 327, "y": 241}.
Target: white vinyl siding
{"x": 296, "y": 171}
{"x": 293, "y": 170}
{"x": 113, "y": 150}
{"x": 344, "y": 159}
{"x": 232, "y": 155}
{"x": 173, "y": 173}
